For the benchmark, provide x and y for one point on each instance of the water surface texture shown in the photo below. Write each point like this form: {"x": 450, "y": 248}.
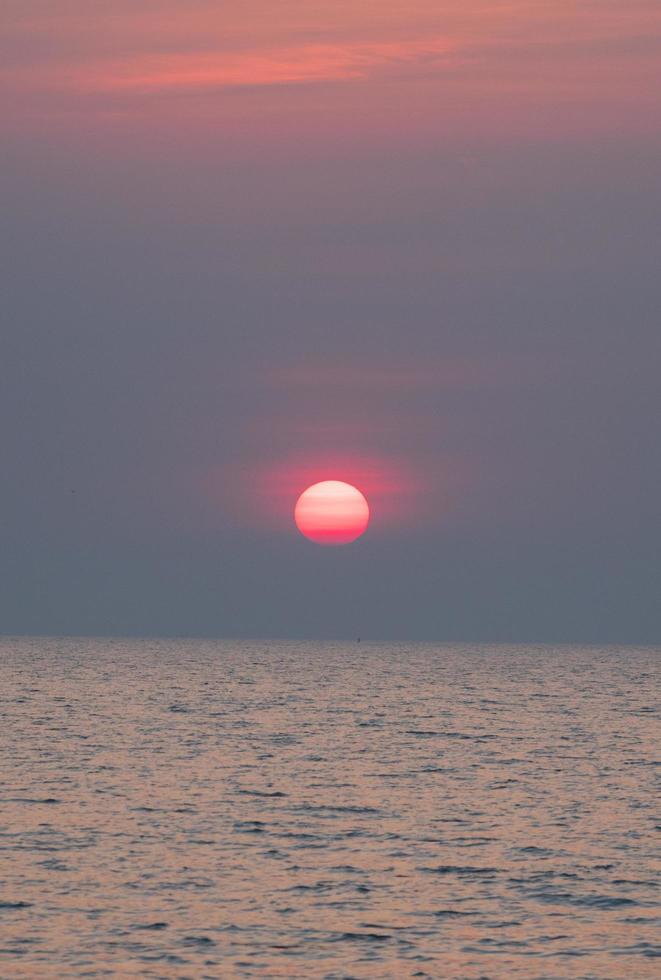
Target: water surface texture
{"x": 219, "y": 809}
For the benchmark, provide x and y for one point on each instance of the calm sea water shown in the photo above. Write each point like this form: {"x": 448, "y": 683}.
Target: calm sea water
{"x": 220, "y": 809}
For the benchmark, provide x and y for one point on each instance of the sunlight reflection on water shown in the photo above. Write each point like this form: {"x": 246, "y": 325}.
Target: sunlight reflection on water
{"x": 216, "y": 808}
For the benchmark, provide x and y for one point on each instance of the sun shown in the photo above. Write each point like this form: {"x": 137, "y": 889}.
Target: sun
{"x": 332, "y": 512}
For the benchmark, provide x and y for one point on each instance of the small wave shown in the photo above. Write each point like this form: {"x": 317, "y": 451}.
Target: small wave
{"x": 649, "y": 950}
{"x": 249, "y": 827}
{"x": 461, "y": 870}
{"x": 586, "y": 901}
{"x": 312, "y": 808}
{"x": 320, "y": 886}
{"x": 276, "y": 794}
{"x": 47, "y": 801}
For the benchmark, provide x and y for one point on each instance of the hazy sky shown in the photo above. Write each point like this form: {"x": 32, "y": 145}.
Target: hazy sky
{"x": 248, "y": 246}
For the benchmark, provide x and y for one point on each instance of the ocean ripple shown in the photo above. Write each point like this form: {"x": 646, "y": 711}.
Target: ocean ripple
{"x": 218, "y": 809}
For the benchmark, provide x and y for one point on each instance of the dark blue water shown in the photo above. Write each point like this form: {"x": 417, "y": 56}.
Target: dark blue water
{"x": 219, "y": 809}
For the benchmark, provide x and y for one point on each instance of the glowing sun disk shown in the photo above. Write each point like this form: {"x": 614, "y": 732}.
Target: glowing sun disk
{"x": 332, "y": 512}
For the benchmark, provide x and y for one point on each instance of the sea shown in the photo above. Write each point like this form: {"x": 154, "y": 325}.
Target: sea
{"x": 204, "y": 808}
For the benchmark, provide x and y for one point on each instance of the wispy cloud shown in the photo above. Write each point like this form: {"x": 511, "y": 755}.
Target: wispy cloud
{"x": 402, "y": 375}
{"x": 208, "y": 71}
{"x": 113, "y": 55}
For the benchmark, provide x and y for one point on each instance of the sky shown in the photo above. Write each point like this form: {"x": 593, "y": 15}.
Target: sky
{"x": 414, "y": 246}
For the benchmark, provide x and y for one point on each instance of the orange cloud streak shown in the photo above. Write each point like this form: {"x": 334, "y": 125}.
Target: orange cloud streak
{"x": 482, "y": 59}
{"x": 205, "y": 71}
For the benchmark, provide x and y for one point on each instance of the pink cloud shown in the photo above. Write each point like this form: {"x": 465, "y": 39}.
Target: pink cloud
{"x": 208, "y": 71}
{"x": 482, "y": 64}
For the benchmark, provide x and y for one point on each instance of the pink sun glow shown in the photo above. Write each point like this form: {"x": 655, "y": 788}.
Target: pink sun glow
{"x": 332, "y": 513}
